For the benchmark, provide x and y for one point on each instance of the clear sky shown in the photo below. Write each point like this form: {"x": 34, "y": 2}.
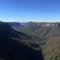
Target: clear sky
{"x": 30, "y": 10}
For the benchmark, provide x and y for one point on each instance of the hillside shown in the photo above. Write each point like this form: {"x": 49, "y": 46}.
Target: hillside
{"x": 47, "y": 37}
{"x": 16, "y": 45}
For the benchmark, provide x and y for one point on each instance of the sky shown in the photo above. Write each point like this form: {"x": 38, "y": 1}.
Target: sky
{"x": 30, "y": 10}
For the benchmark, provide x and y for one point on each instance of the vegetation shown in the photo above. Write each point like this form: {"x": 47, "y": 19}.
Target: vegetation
{"x": 39, "y": 39}
{"x": 17, "y": 45}
{"x": 46, "y": 38}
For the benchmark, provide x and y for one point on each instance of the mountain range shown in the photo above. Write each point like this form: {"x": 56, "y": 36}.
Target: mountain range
{"x": 45, "y": 35}
{"x": 31, "y": 40}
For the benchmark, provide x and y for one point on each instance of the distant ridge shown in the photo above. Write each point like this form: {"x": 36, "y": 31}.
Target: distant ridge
{"x": 19, "y": 25}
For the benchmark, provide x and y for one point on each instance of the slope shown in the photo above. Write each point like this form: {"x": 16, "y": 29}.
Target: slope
{"x": 13, "y": 49}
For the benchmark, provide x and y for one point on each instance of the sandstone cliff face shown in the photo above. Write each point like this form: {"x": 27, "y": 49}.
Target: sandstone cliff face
{"x": 49, "y": 24}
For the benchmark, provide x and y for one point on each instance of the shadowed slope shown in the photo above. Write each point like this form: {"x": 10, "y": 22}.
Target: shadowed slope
{"x": 12, "y": 49}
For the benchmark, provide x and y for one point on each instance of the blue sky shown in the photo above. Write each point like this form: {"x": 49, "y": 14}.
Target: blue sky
{"x": 30, "y": 10}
